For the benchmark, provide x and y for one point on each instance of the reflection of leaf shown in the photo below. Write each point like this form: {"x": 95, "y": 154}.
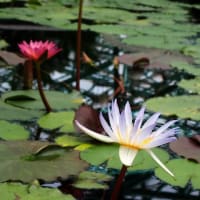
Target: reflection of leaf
{"x": 182, "y": 106}
{"x": 184, "y": 172}
{"x": 110, "y": 154}
{"x": 62, "y": 120}
{"x": 19, "y": 162}
{"x": 11, "y": 131}
{"x": 187, "y": 147}
{"x": 17, "y": 191}
{"x": 92, "y": 180}
{"x": 30, "y": 99}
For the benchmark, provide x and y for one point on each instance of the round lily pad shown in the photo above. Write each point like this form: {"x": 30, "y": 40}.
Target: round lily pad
{"x": 30, "y": 99}
{"x": 11, "y": 131}
{"x": 17, "y": 191}
{"x": 185, "y": 106}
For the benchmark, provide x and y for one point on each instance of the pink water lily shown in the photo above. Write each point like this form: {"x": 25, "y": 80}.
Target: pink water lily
{"x": 133, "y": 137}
{"x": 34, "y": 50}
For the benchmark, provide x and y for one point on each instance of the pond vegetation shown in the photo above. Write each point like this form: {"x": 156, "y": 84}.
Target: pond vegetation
{"x": 145, "y": 52}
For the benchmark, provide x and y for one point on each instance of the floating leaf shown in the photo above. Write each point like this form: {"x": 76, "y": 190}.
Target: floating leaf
{"x": 187, "y": 147}
{"x": 61, "y": 120}
{"x": 110, "y": 155}
{"x": 184, "y": 171}
{"x": 17, "y": 191}
{"x": 68, "y": 141}
{"x": 188, "y": 108}
{"x": 89, "y": 117}
{"x": 92, "y": 180}
{"x": 30, "y": 99}
{"x": 192, "y": 85}
{"x": 21, "y": 161}
{"x": 8, "y": 112}
{"x": 191, "y": 69}
{"x": 11, "y": 131}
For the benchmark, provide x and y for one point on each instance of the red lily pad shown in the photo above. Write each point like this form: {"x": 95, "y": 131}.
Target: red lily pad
{"x": 88, "y": 117}
{"x": 187, "y": 147}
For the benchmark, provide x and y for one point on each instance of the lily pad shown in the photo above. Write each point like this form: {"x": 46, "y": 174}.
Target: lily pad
{"x": 185, "y": 171}
{"x": 29, "y": 160}
{"x": 188, "y": 108}
{"x": 92, "y": 180}
{"x": 192, "y": 85}
{"x": 9, "y": 112}
{"x": 30, "y": 99}
{"x": 109, "y": 154}
{"x": 11, "y": 131}
{"x": 11, "y": 191}
{"x": 187, "y": 147}
{"x": 61, "y": 120}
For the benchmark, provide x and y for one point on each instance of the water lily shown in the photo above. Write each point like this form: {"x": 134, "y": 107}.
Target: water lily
{"x": 38, "y": 51}
{"x": 133, "y": 137}
{"x": 34, "y": 50}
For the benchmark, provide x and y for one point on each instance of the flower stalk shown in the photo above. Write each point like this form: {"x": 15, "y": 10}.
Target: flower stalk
{"x": 41, "y": 92}
{"x": 118, "y": 184}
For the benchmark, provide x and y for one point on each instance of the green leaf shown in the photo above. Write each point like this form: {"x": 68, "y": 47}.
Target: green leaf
{"x": 11, "y": 131}
{"x": 184, "y": 171}
{"x": 27, "y": 161}
{"x": 8, "y": 112}
{"x": 68, "y": 141}
{"x": 14, "y": 191}
{"x": 62, "y": 120}
{"x": 92, "y": 180}
{"x": 192, "y": 85}
{"x": 189, "y": 68}
{"x": 188, "y": 108}
{"x": 30, "y": 99}
{"x": 110, "y": 155}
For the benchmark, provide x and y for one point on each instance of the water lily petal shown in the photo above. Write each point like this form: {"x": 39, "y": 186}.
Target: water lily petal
{"x": 159, "y": 162}
{"x": 151, "y": 120}
{"x": 93, "y": 134}
{"x": 127, "y": 155}
{"x": 138, "y": 120}
{"x": 164, "y": 127}
{"x": 159, "y": 142}
{"x": 107, "y": 127}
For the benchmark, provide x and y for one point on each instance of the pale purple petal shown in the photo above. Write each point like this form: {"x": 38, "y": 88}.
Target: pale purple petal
{"x": 93, "y": 134}
{"x": 151, "y": 120}
{"x": 164, "y": 127}
{"x": 159, "y": 142}
{"x": 115, "y": 112}
{"x": 107, "y": 127}
{"x": 159, "y": 162}
{"x": 138, "y": 120}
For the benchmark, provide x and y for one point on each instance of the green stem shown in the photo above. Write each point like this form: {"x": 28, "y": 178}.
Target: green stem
{"x": 115, "y": 192}
{"x": 42, "y": 95}
{"x": 78, "y": 46}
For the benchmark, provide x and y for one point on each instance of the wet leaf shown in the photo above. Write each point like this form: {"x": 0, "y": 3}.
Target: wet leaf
{"x": 68, "y": 141}
{"x": 187, "y": 147}
{"x": 185, "y": 171}
{"x": 30, "y": 99}
{"x": 11, "y": 131}
{"x": 92, "y": 180}
{"x": 21, "y": 161}
{"x": 17, "y": 191}
{"x": 188, "y": 108}
{"x": 59, "y": 120}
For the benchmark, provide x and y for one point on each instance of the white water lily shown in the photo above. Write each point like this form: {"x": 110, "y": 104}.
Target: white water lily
{"x": 133, "y": 137}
